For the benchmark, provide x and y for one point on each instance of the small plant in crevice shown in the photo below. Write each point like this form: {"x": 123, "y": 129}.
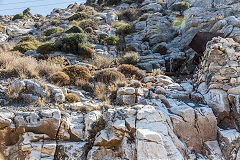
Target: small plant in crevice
{"x": 124, "y": 28}
{"x": 111, "y": 40}
{"x": 72, "y": 97}
{"x": 130, "y": 58}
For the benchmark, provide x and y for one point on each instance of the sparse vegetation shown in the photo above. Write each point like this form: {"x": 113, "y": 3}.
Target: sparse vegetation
{"x": 26, "y": 66}
{"x": 51, "y": 30}
{"x": 60, "y": 78}
{"x": 108, "y": 76}
{"x": 130, "y": 58}
{"x": 124, "y": 28}
{"x": 72, "y": 97}
{"x": 111, "y": 40}
{"x": 77, "y": 72}
{"x": 131, "y": 71}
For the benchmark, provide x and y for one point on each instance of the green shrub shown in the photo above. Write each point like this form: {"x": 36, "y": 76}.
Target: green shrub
{"x": 131, "y": 71}
{"x": 124, "y": 28}
{"x": 19, "y": 16}
{"x": 89, "y": 30}
{"x": 108, "y": 76}
{"x": 46, "y": 48}
{"x": 75, "y": 29}
{"x": 72, "y": 97}
{"x": 60, "y": 78}
{"x": 27, "y": 12}
{"x": 85, "y": 51}
{"x": 88, "y": 23}
{"x": 130, "y": 58}
{"x": 77, "y": 72}
{"x": 27, "y": 45}
{"x": 78, "y": 16}
{"x": 28, "y": 38}
{"x": 70, "y": 42}
{"x": 111, "y": 40}
{"x": 51, "y": 30}
{"x": 55, "y": 22}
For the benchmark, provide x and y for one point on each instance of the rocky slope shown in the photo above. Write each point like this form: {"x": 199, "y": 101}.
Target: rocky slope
{"x": 162, "y": 117}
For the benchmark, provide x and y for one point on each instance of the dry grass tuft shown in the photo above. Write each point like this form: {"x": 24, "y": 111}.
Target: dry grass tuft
{"x": 60, "y": 78}
{"x": 77, "y": 72}
{"x": 108, "y": 76}
{"x": 72, "y": 97}
{"x": 103, "y": 61}
{"x": 26, "y": 66}
{"x": 131, "y": 71}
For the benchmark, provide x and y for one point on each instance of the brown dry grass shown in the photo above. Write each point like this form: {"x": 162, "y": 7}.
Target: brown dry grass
{"x": 26, "y": 66}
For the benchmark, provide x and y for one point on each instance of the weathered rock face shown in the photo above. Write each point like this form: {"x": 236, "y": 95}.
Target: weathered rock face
{"x": 219, "y": 75}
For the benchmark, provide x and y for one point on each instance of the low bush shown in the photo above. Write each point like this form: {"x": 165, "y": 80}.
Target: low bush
{"x": 89, "y": 30}
{"x": 85, "y": 51}
{"x": 75, "y": 29}
{"x": 130, "y": 58}
{"x": 55, "y": 22}
{"x": 25, "y": 46}
{"x": 72, "y": 97}
{"x": 51, "y": 30}
{"x": 82, "y": 84}
{"x": 77, "y": 72}
{"x": 108, "y": 76}
{"x": 135, "y": 84}
{"x": 46, "y": 48}
{"x": 28, "y": 38}
{"x": 131, "y": 71}
{"x": 180, "y": 6}
{"x": 124, "y": 28}
{"x": 143, "y": 17}
{"x": 101, "y": 61}
{"x": 19, "y": 16}
{"x": 26, "y": 66}
{"x": 70, "y": 42}
{"x": 38, "y": 25}
{"x": 129, "y": 14}
{"x": 111, "y": 40}
{"x": 88, "y": 23}
{"x": 78, "y": 16}
{"x": 60, "y": 78}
